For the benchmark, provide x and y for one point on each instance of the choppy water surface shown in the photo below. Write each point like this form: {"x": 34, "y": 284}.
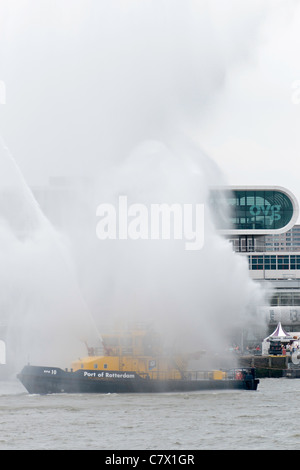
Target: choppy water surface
{"x": 266, "y": 419}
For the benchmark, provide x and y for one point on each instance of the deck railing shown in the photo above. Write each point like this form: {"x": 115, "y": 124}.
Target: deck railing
{"x": 236, "y": 373}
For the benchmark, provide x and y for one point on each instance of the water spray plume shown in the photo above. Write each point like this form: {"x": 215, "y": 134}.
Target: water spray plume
{"x": 44, "y": 300}
{"x": 138, "y": 82}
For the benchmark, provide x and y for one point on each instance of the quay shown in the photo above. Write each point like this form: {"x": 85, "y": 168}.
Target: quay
{"x": 266, "y": 366}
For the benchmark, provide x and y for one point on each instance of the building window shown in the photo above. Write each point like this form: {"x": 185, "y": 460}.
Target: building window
{"x": 283, "y": 262}
{"x": 270, "y": 262}
{"x": 257, "y": 262}
{"x": 285, "y": 299}
{"x": 295, "y": 262}
{"x": 257, "y": 209}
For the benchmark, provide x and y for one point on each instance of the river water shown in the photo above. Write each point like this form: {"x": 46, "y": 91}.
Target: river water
{"x": 265, "y": 419}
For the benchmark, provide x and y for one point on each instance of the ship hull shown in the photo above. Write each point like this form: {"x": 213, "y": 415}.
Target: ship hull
{"x": 47, "y": 380}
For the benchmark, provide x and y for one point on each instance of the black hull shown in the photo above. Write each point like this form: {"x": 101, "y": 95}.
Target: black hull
{"x": 45, "y": 380}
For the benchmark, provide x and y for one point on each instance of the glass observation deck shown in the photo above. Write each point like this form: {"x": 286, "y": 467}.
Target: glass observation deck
{"x": 254, "y": 210}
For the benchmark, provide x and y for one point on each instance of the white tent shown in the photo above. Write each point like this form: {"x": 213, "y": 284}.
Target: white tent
{"x": 278, "y": 334}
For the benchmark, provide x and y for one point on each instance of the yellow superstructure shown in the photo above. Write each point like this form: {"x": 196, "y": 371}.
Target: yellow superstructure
{"x": 137, "y": 350}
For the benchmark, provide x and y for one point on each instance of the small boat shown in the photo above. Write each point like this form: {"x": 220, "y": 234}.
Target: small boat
{"x": 133, "y": 362}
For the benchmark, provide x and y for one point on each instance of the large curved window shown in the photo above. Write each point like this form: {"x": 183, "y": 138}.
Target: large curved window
{"x": 254, "y": 209}
{"x": 260, "y": 210}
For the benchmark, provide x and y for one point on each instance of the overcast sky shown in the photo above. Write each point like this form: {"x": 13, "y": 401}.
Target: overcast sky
{"x": 84, "y": 81}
